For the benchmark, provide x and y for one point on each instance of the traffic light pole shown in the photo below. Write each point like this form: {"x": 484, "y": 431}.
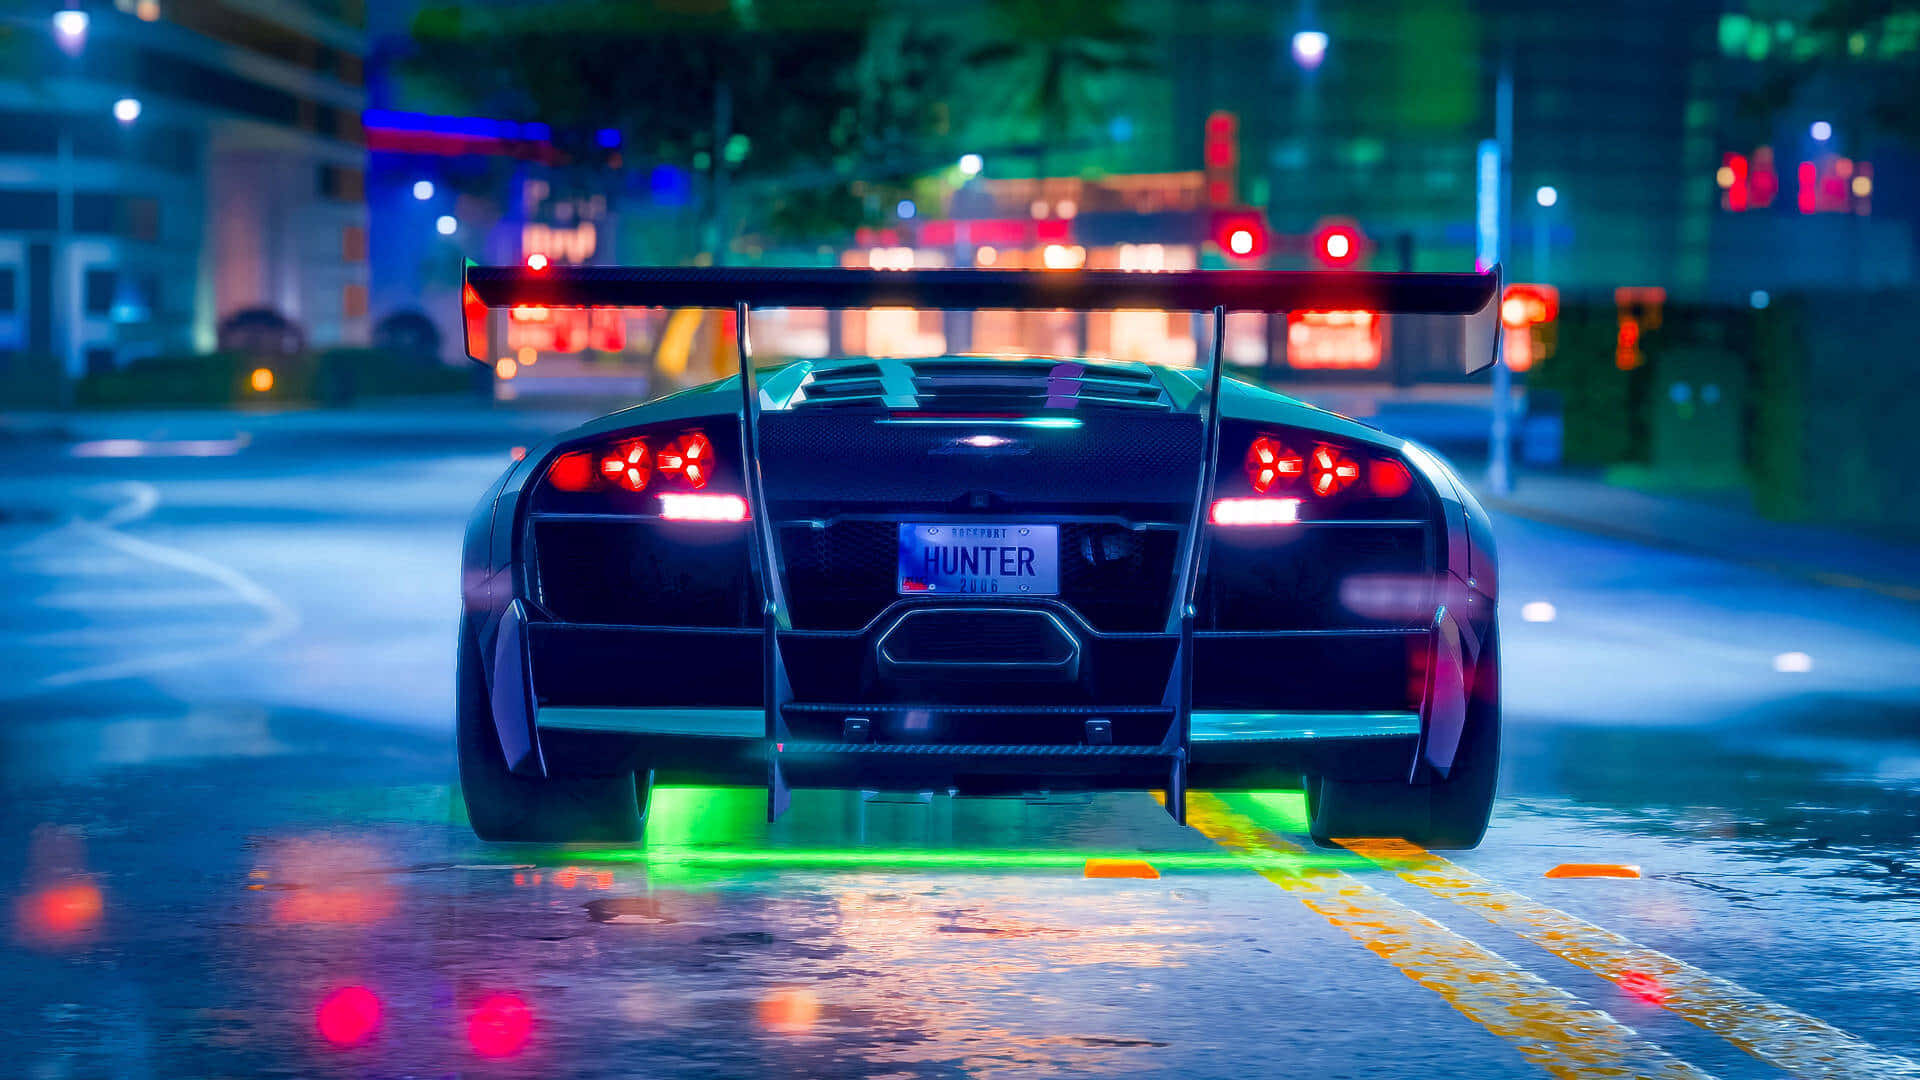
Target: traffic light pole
{"x": 1499, "y": 434}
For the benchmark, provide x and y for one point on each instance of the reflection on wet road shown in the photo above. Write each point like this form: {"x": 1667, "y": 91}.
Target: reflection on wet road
{"x": 231, "y": 844}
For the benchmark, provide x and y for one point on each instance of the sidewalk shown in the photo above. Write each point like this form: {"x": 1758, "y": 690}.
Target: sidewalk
{"x": 1827, "y": 556}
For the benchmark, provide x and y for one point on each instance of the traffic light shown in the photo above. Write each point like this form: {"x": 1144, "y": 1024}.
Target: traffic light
{"x": 1223, "y": 158}
{"x": 1527, "y": 313}
{"x": 1338, "y": 244}
{"x": 1241, "y": 234}
{"x": 1526, "y": 305}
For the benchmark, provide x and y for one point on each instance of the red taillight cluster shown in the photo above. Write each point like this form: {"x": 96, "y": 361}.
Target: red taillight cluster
{"x": 1326, "y": 469}
{"x": 1268, "y": 463}
{"x": 632, "y": 464}
{"x": 691, "y": 457}
{"x": 628, "y": 466}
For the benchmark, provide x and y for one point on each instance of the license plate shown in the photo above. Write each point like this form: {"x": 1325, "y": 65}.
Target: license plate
{"x": 947, "y": 559}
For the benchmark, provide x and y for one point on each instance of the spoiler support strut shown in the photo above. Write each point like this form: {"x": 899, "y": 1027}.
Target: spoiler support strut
{"x": 775, "y": 690}
{"x": 1180, "y": 620}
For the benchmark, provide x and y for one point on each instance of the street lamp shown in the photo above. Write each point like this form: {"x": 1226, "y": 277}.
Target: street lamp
{"x": 126, "y": 110}
{"x": 971, "y": 164}
{"x": 70, "y": 30}
{"x": 1309, "y": 49}
{"x": 445, "y": 224}
{"x": 423, "y": 190}
{"x": 1546, "y": 196}
{"x": 1821, "y": 131}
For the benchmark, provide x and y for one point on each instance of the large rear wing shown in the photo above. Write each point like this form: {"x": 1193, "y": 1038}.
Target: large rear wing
{"x": 1473, "y": 296}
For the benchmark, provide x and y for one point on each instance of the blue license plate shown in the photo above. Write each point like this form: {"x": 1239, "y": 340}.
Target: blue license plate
{"x": 947, "y": 559}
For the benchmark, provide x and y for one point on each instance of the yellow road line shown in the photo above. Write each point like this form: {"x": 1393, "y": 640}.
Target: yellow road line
{"x": 1800, "y": 1044}
{"x": 1549, "y": 1026}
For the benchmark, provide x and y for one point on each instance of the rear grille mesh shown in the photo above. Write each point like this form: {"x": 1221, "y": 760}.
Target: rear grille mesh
{"x": 1012, "y": 386}
{"x": 644, "y": 573}
{"x": 1324, "y": 577}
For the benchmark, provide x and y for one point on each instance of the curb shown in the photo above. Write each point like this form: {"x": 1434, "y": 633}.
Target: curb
{"x": 1798, "y": 571}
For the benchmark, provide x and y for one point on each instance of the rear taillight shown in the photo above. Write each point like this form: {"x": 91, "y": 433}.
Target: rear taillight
{"x": 1324, "y": 470}
{"x": 1269, "y": 462}
{"x": 691, "y": 457}
{"x": 1294, "y": 476}
{"x": 668, "y": 463}
{"x": 628, "y": 466}
{"x": 572, "y": 472}
{"x": 1330, "y": 471}
{"x": 1388, "y": 479}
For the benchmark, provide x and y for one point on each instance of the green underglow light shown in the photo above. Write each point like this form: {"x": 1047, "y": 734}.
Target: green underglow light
{"x": 1010, "y": 861}
{"x": 718, "y": 830}
{"x": 1282, "y": 811}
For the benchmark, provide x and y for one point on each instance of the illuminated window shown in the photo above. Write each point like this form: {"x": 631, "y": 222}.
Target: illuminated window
{"x": 353, "y": 302}
{"x": 1349, "y": 340}
{"x": 353, "y": 244}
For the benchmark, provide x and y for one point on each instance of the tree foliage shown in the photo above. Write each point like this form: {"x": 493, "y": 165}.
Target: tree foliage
{"x": 810, "y": 107}
{"x": 1868, "y": 51}
{"x": 1053, "y": 57}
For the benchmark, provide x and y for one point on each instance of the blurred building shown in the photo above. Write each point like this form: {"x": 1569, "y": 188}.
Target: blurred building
{"x": 168, "y": 164}
{"x": 1291, "y": 135}
{"x": 1640, "y": 155}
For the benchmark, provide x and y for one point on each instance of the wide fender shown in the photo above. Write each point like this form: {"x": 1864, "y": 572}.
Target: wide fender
{"x": 512, "y": 697}
{"x": 1443, "y": 703}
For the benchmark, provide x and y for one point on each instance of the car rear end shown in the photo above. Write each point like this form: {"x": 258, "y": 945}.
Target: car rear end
{"x": 982, "y": 574}
{"x": 980, "y": 567}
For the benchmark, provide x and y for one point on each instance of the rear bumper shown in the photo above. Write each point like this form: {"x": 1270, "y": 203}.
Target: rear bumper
{"x": 1229, "y": 749}
{"x": 1268, "y": 707}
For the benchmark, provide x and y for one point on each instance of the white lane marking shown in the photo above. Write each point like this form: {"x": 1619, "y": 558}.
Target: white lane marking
{"x": 71, "y": 565}
{"x": 132, "y": 599}
{"x": 135, "y": 448}
{"x": 93, "y": 637}
{"x": 279, "y": 619}
{"x": 139, "y": 502}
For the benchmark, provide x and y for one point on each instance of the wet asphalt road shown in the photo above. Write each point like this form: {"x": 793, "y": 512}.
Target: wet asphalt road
{"x": 230, "y": 839}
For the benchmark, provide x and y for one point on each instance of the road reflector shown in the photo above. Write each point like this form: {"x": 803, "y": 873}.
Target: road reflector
{"x": 1592, "y": 870}
{"x": 1121, "y": 868}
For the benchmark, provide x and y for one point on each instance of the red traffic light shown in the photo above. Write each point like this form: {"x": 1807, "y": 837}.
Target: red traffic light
{"x": 1241, "y": 235}
{"x": 1525, "y": 304}
{"x": 1338, "y": 244}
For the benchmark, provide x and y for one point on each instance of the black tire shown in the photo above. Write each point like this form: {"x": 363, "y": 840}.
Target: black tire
{"x": 505, "y": 806}
{"x": 1445, "y": 815}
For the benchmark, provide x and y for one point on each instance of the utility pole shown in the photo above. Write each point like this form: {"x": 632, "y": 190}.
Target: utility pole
{"x": 1499, "y": 435}
{"x": 716, "y": 238}
{"x": 67, "y": 305}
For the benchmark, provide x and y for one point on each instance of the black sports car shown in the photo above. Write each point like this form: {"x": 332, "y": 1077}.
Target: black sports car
{"x": 980, "y": 574}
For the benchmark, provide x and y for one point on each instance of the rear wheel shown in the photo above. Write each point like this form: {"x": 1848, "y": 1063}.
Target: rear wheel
{"x": 1448, "y": 814}
{"x": 505, "y": 806}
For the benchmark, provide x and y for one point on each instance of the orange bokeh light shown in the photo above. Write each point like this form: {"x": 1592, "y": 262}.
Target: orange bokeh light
{"x": 62, "y": 913}
{"x": 789, "y": 1010}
